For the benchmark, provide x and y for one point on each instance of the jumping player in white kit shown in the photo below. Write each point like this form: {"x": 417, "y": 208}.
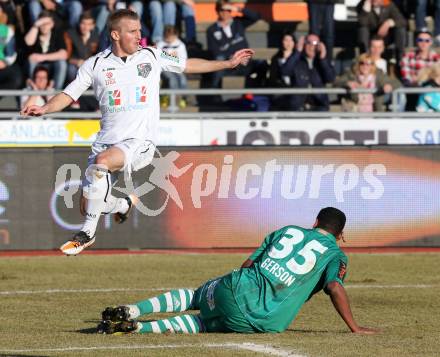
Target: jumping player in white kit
{"x": 126, "y": 82}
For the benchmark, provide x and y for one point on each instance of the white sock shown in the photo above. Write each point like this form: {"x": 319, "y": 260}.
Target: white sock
{"x": 96, "y": 191}
{"x": 115, "y": 205}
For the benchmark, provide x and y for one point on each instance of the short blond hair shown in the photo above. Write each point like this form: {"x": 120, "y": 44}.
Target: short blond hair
{"x": 117, "y": 16}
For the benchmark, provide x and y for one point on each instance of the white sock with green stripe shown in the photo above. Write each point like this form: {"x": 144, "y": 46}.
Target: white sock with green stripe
{"x": 172, "y": 301}
{"x": 176, "y": 324}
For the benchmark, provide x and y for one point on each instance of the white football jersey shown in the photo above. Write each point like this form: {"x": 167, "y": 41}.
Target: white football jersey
{"x": 127, "y": 92}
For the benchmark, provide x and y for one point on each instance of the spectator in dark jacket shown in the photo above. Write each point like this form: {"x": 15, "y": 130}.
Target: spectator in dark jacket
{"x": 386, "y": 21}
{"x": 312, "y": 70}
{"x": 82, "y": 42}
{"x": 321, "y": 22}
{"x": 47, "y": 47}
{"x": 226, "y": 36}
{"x": 282, "y": 67}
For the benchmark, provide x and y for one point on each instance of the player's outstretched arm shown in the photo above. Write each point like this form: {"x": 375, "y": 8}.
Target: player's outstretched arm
{"x": 198, "y": 65}
{"x": 340, "y": 301}
{"x": 55, "y": 104}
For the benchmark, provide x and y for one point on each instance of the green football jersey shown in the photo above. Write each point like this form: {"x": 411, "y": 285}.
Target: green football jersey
{"x": 290, "y": 266}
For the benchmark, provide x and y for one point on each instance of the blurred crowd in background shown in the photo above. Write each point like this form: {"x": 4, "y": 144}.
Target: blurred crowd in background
{"x": 43, "y": 43}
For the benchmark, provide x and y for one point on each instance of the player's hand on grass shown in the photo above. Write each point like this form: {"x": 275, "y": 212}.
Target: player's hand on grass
{"x": 33, "y": 111}
{"x": 241, "y": 57}
{"x": 366, "y": 331}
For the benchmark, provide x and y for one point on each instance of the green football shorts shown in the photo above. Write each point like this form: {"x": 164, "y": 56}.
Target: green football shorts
{"x": 218, "y": 308}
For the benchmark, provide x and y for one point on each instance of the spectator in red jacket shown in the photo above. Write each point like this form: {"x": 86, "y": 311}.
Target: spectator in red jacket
{"x": 414, "y": 61}
{"x": 420, "y": 57}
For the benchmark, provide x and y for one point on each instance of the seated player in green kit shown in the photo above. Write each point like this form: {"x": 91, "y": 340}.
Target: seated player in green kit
{"x": 265, "y": 295}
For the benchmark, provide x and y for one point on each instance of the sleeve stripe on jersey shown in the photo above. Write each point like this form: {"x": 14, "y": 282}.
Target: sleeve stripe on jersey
{"x": 109, "y": 53}
{"x": 94, "y": 64}
{"x": 150, "y": 50}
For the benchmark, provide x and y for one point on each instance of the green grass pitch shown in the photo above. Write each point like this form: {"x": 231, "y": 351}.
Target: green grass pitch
{"x": 51, "y": 305}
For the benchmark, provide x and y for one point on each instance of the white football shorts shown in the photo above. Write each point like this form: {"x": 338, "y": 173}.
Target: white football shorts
{"x": 138, "y": 153}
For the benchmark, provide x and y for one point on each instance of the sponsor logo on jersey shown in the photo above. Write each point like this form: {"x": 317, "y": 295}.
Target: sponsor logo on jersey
{"x": 122, "y": 108}
{"x": 169, "y": 57}
{"x": 141, "y": 94}
{"x": 114, "y": 97}
{"x": 144, "y": 69}
{"x": 110, "y": 80}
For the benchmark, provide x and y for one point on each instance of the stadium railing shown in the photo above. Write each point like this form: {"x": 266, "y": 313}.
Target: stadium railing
{"x": 243, "y": 115}
{"x": 173, "y": 108}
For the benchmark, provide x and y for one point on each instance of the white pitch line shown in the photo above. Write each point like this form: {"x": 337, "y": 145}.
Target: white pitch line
{"x": 111, "y": 290}
{"x": 63, "y": 291}
{"x": 264, "y": 349}
{"x": 269, "y": 350}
